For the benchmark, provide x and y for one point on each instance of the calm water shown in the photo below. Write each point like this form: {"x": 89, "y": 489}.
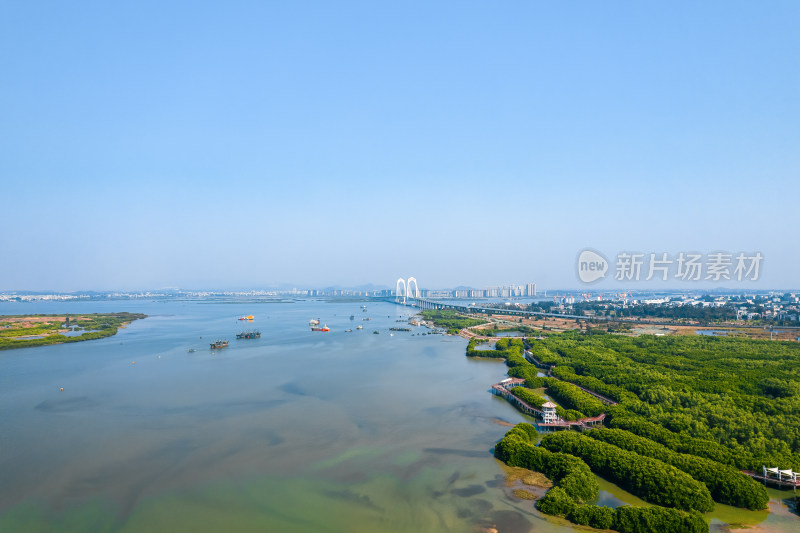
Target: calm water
{"x": 296, "y": 431}
{"x": 712, "y": 332}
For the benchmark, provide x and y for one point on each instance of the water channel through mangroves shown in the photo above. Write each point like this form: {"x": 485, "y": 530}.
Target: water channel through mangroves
{"x": 296, "y": 431}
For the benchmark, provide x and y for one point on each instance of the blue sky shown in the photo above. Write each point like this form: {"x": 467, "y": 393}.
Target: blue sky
{"x": 245, "y": 144}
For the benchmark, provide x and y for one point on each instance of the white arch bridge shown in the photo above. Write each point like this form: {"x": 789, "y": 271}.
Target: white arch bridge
{"x": 407, "y": 293}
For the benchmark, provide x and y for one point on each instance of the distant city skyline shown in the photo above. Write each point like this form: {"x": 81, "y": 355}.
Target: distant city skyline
{"x": 467, "y": 144}
{"x": 460, "y": 292}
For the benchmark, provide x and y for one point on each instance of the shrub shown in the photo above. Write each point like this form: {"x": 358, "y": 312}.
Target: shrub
{"x": 650, "y": 479}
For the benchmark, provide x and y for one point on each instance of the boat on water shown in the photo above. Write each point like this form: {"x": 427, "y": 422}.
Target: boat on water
{"x": 360, "y": 327}
{"x": 190, "y": 350}
{"x": 313, "y": 322}
{"x": 248, "y": 317}
{"x": 323, "y": 328}
{"x": 352, "y": 317}
{"x": 219, "y": 344}
{"x": 376, "y": 332}
{"x": 249, "y": 335}
{"x": 348, "y": 331}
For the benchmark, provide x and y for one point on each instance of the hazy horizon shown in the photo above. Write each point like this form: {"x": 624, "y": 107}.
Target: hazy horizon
{"x": 288, "y": 287}
{"x": 462, "y": 143}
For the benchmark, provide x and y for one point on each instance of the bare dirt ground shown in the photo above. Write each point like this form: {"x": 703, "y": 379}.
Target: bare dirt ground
{"x": 750, "y": 333}
{"x": 551, "y": 323}
{"x": 556, "y": 324}
{"x": 13, "y": 323}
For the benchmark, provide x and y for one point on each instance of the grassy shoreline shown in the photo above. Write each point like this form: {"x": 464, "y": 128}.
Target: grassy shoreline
{"x": 26, "y": 331}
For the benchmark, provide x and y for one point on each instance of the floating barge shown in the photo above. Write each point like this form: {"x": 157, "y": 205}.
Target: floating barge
{"x": 323, "y": 328}
{"x": 219, "y": 344}
{"x": 249, "y": 335}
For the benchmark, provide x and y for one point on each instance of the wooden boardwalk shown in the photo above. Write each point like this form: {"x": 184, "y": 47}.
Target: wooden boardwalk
{"x": 607, "y": 401}
{"x": 531, "y": 359}
{"x": 538, "y": 364}
{"x": 784, "y": 483}
{"x": 504, "y": 389}
{"x": 582, "y": 424}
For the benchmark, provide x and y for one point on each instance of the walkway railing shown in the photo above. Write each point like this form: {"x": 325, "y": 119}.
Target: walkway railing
{"x": 531, "y": 359}
{"x": 600, "y": 397}
{"x": 504, "y": 389}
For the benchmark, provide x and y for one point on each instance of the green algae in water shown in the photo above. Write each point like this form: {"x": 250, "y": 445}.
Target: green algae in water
{"x": 349, "y": 455}
{"x": 383, "y": 503}
{"x": 279, "y": 435}
{"x": 95, "y": 516}
{"x": 406, "y": 458}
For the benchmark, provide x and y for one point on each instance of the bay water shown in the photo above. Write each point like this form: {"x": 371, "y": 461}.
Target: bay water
{"x": 296, "y": 431}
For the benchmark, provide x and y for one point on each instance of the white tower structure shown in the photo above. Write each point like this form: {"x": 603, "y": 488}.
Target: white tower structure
{"x": 549, "y": 412}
